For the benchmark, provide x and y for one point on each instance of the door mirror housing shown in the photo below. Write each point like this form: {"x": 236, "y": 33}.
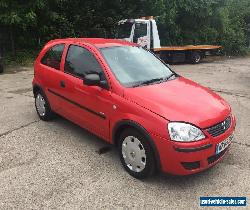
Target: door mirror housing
{"x": 95, "y": 80}
{"x": 92, "y": 80}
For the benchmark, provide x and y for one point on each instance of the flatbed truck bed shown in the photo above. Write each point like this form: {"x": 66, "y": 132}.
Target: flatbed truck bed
{"x": 187, "y": 47}
{"x": 144, "y": 32}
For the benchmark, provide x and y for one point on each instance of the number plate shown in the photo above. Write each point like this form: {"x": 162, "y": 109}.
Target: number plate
{"x": 224, "y": 144}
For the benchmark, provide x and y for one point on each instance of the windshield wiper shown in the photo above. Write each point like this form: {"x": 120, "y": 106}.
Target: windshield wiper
{"x": 170, "y": 76}
{"x": 150, "y": 81}
{"x": 162, "y": 79}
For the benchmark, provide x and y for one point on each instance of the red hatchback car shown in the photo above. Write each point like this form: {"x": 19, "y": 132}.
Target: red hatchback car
{"x": 124, "y": 94}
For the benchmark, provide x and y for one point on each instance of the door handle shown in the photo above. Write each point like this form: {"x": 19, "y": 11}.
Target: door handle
{"x": 62, "y": 84}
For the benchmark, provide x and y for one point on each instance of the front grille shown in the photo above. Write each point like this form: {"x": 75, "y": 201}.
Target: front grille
{"x": 214, "y": 158}
{"x": 220, "y": 128}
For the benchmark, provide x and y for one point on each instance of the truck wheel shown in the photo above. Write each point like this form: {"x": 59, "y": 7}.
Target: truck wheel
{"x": 195, "y": 58}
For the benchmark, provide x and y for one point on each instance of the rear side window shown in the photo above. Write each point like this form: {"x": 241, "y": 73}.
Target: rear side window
{"x": 52, "y": 58}
{"x": 80, "y": 61}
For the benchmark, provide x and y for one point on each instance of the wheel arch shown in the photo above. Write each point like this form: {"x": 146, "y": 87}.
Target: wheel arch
{"x": 36, "y": 88}
{"x": 124, "y": 124}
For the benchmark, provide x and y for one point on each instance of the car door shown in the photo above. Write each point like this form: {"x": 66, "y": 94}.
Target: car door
{"x": 88, "y": 106}
{"x": 50, "y": 74}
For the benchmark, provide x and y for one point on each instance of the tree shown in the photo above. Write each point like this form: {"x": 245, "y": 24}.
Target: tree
{"x": 29, "y": 24}
{"x": 16, "y": 16}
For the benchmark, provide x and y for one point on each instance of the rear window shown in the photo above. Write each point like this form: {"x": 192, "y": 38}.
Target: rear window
{"x": 53, "y": 56}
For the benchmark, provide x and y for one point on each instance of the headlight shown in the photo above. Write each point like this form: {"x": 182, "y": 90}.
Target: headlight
{"x": 184, "y": 132}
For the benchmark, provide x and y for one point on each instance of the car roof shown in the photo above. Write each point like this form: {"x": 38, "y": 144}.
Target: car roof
{"x": 97, "y": 42}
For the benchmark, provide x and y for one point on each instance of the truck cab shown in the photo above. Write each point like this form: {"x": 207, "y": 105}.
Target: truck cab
{"x": 141, "y": 31}
{"x": 144, "y": 32}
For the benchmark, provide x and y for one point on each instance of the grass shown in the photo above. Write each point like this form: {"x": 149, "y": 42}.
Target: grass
{"x": 248, "y": 52}
{"x": 22, "y": 58}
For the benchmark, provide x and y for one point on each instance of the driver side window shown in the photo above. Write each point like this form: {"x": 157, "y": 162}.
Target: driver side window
{"x": 80, "y": 62}
{"x": 140, "y": 31}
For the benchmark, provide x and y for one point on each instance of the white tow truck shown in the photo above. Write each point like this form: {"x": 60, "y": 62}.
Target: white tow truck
{"x": 144, "y": 32}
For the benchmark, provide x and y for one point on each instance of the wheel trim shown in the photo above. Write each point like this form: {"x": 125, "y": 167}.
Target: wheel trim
{"x": 40, "y": 105}
{"x": 134, "y": 154}
{"x": 197, "y": 58}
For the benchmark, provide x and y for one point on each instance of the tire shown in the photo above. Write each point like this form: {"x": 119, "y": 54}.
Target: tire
{"x": 136, "y": 154}
{"x": 42, "y": 106}
{"x": 195, "y": 58}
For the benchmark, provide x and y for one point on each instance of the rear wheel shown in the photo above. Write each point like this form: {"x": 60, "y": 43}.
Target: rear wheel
{"x": 136, "y": 154}
{"x": 42, "y": 106}
{"x": 195, "y": 57}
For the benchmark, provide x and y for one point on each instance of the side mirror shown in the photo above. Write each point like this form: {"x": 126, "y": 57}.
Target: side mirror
{"x": 92, "y": 80}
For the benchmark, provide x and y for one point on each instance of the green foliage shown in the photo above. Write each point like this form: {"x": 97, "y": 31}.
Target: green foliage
{"x": 26, "y": 25}
{"x": 25, "y": 57}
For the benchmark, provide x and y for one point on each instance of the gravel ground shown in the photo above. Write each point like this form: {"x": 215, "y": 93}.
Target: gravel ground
{"x": 56, "y": 165}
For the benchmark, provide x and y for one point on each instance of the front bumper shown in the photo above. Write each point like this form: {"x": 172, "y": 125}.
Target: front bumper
{"x": 192, "y": 157}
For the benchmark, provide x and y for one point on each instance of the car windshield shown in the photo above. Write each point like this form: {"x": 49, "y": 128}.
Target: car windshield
{"x": 124, "y": 30}
{"x": 135, "y": 66}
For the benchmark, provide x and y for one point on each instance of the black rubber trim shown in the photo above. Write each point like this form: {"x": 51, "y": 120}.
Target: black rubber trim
{"x": 80, "y": 106}
{"x": 192, "y": 149}
{"x": 143, "y": 131}
{"x": 151, "y": 36}
{"x": 214, "y": 158}
{"x": 191, "y": 165}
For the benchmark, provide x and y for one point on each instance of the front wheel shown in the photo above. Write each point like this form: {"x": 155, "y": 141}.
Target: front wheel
{"x": 136, "y": 154}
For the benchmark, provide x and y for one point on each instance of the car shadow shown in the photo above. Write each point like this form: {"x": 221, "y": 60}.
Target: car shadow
{"x": 103, "y": 148}
{"x": 86, "y": 136}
